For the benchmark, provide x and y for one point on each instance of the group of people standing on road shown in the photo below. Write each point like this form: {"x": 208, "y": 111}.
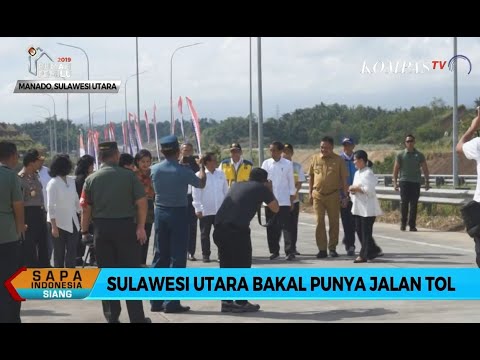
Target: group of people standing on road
{"x": 127, "y": 198}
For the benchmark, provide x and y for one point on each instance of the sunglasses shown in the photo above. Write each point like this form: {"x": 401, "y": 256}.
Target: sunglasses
{"x": 409, "y": 141}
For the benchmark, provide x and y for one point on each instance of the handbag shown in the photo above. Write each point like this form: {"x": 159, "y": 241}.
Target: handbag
{"x": 471, "y": 218}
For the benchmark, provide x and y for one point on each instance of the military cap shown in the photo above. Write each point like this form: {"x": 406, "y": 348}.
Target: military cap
{"x": 107, "y": 146}
{"x": 235, "y": 146}
{"x": 348, "y": 140}
{"x": 169, "y": 142}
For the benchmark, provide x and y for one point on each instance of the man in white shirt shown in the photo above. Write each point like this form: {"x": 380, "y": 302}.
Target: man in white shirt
{"x": 471, "y": 149}
{"x": 280, "y": 172}
{"x": 207, "y": 201}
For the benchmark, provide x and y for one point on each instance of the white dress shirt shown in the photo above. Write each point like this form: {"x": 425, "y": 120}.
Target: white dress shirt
{"x": 471, "y": 149}
{"x": 365, "y": 204}
{"x": 237, "y": 165}
{"x": 208, "y": 200}
{"x": 44, "y": 179}
{"x": 283, "y": 183}
{"x": 62, "y": 203}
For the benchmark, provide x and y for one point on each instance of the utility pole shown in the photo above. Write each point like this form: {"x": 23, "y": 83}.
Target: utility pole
{"x": 455, "y": 118}
{"x": 260, "y": 104}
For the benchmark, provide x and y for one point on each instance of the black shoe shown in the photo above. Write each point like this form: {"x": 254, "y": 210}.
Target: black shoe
{"x": 333, "y": 253}
{"x": 176, "y": 309}
{"x": 413, "y": 228}
{"x": 296, "y": 253}
{"x": 359, "y": 260}
{"x": 206, "y": 259}
{"x": 227, "y": 306}
{"x": 158, "y": 307}
{"x": 274, "y": 256}
{"x": 147, "y": 320}
{"x": 114, "y": 321}
{"x": 322, "y": 254}
{"x": 192, "y": 257}
{"x": 247, "y": 307}
{"x": 290, "y": 257}
{"x": 351, "y": 251}
{"x": 403, "y": 227}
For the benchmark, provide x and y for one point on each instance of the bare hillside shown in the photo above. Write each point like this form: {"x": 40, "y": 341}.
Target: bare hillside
{"x": 438, "y": 163}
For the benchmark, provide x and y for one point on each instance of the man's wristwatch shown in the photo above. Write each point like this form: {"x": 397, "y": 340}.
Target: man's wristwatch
{"x": 85, "y": 233}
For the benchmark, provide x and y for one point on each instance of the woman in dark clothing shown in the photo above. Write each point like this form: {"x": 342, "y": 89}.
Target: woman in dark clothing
{"x": 83, "y": 169}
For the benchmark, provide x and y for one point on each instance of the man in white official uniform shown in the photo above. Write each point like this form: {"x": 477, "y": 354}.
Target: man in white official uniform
{"x": 280, "y": 173}
{"x": 207, "y": 201}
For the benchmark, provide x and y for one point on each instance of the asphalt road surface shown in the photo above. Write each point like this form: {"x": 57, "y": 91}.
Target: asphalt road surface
{"x": 425, "y": 248}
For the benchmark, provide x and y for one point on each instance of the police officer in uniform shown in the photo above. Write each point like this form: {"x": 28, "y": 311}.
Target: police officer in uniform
{"x": 236, "y": 168}
{"x": 113, "y": 198}
{"x": 35, "y": 248}
{"x": 170, "y": 182}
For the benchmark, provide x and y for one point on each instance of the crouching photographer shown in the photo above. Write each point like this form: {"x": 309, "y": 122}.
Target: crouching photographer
{"x": 232, "y": 227}
{"x": 471, "y": 149}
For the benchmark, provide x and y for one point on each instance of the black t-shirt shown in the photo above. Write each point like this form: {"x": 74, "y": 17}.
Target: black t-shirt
{"x": 241, "y": 203}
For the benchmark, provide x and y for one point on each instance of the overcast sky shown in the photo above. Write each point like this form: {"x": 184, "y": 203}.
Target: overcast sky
{"x": 297, "y": 73}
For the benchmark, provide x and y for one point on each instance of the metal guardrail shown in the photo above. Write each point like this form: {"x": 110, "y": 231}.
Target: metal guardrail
{"x": 456, "y": 197}
{"x": 435, "y": 180}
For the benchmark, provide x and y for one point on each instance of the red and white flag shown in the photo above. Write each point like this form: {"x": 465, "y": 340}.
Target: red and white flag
{"x": 155, "y": 129}
{"x": 195, "y": 122}
{"x": 125, "y": 139}
{"x": 147, "y": 126}
{"x": 95, "y": 135}
{"x": 81, "y": 150}
{"x": 181, "y": 114}
{"x": 138, "y": 132}
{"x": 111, "y": 131}
{"x": 131, "y": 137}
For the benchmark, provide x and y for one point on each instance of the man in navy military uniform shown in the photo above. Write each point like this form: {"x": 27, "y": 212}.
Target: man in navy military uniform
{"x": 170, "y": 182}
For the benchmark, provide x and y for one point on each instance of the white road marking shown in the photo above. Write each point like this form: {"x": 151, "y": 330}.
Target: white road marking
{"x": 410, "y": 241}
{"x": 424, "y": 243}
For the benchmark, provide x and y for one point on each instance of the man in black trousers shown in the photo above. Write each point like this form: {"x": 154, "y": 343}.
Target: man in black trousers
{"x": 232, "y": 227}
{"x": 113, "y": 198}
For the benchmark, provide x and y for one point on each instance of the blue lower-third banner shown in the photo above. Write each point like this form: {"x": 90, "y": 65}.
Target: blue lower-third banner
{"x": 267, "y": 284}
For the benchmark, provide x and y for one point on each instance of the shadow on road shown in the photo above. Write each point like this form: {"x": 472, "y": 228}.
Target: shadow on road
{"x": 332, "y": 315}
{"x": 40, "y": 312}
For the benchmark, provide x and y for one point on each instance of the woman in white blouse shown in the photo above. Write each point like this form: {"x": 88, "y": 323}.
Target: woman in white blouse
{"x": 63, "y": 209}
{"x": 365, "y": 206}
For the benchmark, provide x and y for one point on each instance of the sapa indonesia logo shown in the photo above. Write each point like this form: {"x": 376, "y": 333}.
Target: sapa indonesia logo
{"x": 415, "y": 67}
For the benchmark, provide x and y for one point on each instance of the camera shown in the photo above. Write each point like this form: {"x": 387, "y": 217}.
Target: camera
{"x": 87, "y": 240}
{"x": 191, "y": 161}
